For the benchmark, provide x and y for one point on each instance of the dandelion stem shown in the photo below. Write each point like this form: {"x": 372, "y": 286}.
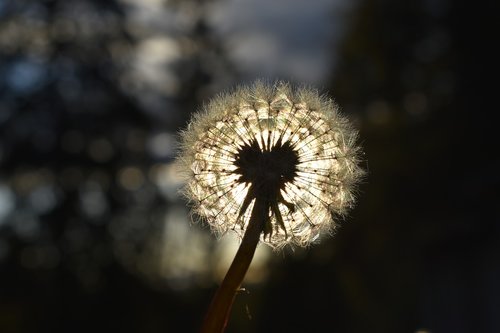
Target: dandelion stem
{"x": 218, "y": 313}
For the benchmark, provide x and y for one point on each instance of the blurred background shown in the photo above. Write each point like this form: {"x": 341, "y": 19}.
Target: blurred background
{"x": 93, "y": 236}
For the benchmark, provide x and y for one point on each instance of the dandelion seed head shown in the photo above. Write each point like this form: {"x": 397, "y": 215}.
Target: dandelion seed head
{"x": 290, "y": 146}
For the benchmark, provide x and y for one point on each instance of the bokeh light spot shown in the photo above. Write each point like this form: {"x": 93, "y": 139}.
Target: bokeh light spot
{"x": 100, "y": 150}
{"x": 131, "y": 178}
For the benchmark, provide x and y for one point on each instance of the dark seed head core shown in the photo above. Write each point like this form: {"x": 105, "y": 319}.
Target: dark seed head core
{"x": 267, "y": 170}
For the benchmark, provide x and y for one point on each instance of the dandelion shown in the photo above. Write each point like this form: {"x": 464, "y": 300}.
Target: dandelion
{"x": 272, "y": 163}
{"x": 291, "y": 148}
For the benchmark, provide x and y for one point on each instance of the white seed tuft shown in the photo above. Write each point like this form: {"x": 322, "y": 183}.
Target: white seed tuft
{"x": 309, "y": 196}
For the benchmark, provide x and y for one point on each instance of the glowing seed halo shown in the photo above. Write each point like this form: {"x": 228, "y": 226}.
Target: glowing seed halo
{"x": 324, "y": 176}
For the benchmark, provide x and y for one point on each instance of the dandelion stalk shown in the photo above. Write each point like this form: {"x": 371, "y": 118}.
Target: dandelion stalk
{"x": 275, "y": 165}
{"x": 218, "y": 313}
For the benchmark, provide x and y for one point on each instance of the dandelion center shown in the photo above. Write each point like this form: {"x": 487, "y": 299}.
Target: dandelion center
{"x": 267, "y": 170}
